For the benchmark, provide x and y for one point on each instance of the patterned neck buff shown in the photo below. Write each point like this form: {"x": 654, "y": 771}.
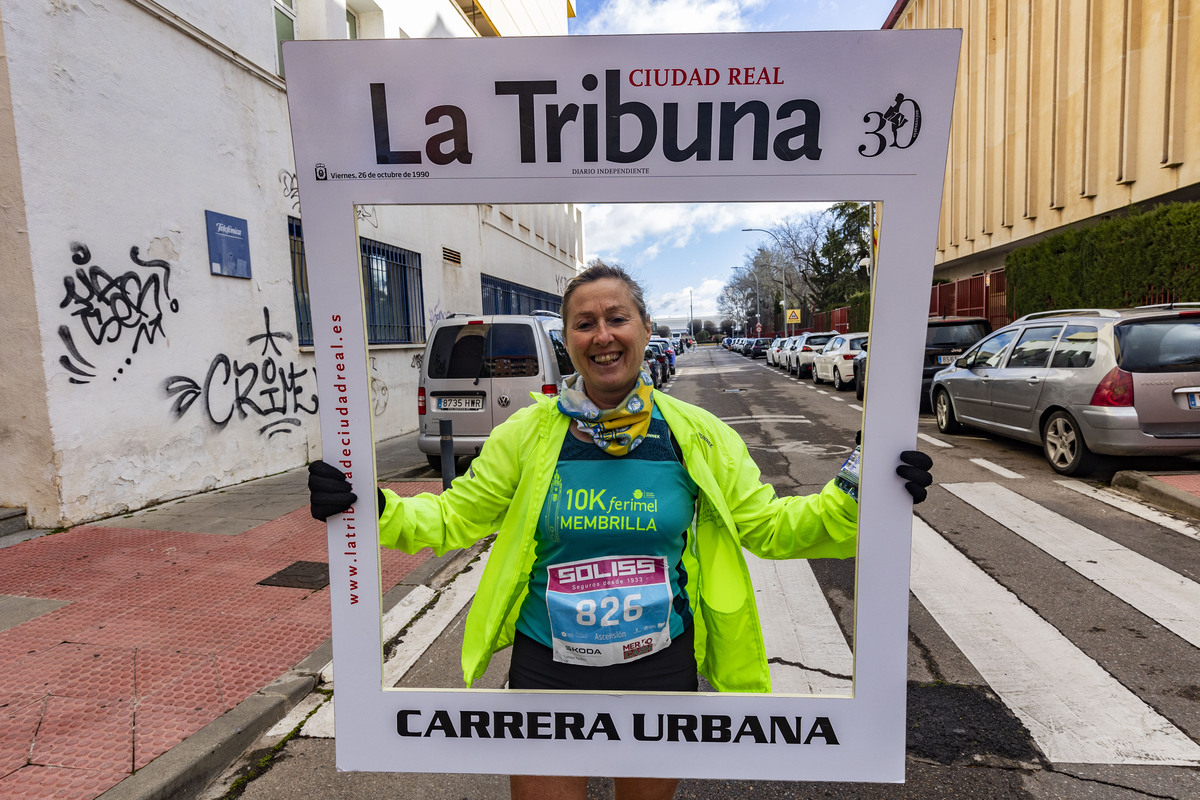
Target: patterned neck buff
{"x": 618, "y": 430}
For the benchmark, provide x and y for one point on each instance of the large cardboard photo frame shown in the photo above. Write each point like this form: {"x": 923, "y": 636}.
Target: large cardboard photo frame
{"x": 778, "y": 117}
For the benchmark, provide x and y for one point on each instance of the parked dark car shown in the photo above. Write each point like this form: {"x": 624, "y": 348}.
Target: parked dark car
{"x": 946, "y": 339}
{"x": 758, "y": 348}
{"x": 653, "y": 366}
{"x": 662, "y": 359}
{"x": 860, "y": 372}
{"x": 668, "y": 349}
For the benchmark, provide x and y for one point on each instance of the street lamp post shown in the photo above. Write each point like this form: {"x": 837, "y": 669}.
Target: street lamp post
{"x": 782, "y": 272}
{"x": 757, "y": 311}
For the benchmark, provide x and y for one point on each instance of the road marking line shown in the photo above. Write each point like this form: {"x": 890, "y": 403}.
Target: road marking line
{"x": 822, "y": 391}
{"x": 856, "y": 407}
{"x": 996, "y": 468}
{"x": 425, "y": 631}
{"x": 766, "y": 418}
{"x": 799, "y": 628}
{"x": 297, "y": 715}
{"x": 402, "y": 613}
{"x": 1133, "y": 507}
{"x": 925, "y": 437}
{"x": 1074, "y": 710}
{"x": 1165, "y": 596}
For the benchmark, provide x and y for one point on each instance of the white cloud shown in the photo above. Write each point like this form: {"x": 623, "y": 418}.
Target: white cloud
{"x": 669, "y": 16}
{"x": 612, "y": 229}
{"x": 702, "y": 300}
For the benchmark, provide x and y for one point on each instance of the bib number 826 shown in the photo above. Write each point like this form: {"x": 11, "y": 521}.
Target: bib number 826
{"x": 610, "y": 607}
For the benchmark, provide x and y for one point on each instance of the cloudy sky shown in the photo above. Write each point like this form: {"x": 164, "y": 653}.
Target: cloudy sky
{"x": 685, "y": 253}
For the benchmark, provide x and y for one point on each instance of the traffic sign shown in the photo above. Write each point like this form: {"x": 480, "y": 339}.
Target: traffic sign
{"x": 758, "y": 329}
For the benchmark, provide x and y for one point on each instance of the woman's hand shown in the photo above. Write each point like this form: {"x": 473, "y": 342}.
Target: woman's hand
{"x": 328, "y": 490}
{"x": 914, "y": 469}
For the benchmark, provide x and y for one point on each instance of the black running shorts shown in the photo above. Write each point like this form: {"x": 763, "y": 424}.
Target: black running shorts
{"x": 671, "y": 670}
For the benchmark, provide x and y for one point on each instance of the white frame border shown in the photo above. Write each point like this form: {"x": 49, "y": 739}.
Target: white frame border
{"x": 327, "y": 81}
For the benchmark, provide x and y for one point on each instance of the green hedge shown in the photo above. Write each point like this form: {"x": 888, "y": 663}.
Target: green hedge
{"x": 1127, "y": 261}
{"x": 860, "y": 311}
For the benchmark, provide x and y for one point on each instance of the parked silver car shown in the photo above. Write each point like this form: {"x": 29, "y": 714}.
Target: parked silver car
{"x": 478, "y": 370}
{"x": 1082, "y": 382}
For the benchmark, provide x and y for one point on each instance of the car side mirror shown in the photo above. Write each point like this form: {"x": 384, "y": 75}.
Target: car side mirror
{"x": 961, "y": 362}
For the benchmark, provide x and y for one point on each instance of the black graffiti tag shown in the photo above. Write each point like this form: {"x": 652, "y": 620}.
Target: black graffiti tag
{"x": 262, "y": 385}
{"x": 108, "y": 307}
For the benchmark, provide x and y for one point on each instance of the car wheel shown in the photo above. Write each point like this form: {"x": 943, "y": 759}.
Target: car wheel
{"x": 435, "y": 462}
{"x": 816, "y": 378}
{"x": 943, "y": 409}
{"x": 860, "y": 385}
{"x": 838, "y": 383}
{"x": 1063, "y": 444}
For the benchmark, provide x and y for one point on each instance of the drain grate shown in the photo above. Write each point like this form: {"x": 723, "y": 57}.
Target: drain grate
{"x": 301, "y": 575}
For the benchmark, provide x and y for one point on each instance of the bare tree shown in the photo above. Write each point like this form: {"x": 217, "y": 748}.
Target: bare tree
{"x": 825, "y": 248}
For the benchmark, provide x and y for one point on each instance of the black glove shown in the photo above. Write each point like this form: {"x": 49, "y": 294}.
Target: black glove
{"x": 328, "y": 490}
{"x": 915, "y": 472}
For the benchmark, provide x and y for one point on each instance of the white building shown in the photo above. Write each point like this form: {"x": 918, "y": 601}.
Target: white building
{"x": 150, "y": 241}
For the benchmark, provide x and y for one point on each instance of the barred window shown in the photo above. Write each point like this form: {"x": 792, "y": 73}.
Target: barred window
{"x": 505, "y": 297}
{"x": 300, "y": 282}
{"x": 392, "y": 294}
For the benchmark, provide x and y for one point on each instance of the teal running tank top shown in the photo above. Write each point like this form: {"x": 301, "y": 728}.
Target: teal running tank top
{"x": 608, "y": 583}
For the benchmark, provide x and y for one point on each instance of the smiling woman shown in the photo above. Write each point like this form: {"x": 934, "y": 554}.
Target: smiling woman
{"x": 637, "y": 493}
{"x": 607, "y": 328}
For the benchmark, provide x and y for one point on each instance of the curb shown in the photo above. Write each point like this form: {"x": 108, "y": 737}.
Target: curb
{"x": 188, "y": 768}
{"x": 1157, "y": 492}
{"x": 185, "y": 770}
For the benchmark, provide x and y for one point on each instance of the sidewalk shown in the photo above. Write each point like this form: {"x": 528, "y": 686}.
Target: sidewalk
{"x": 149, "y": 644}
{"x": 1178, "y": 492}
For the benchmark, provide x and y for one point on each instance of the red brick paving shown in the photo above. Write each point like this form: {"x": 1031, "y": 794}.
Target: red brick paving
{"x": 1188, "y": 483}
{"x": 164, "y": 632}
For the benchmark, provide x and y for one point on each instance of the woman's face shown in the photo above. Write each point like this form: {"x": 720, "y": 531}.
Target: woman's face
{"x": 606, "y": 339}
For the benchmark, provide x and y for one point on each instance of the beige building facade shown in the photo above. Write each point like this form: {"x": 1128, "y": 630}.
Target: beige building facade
{"x": 1065, "y": 112}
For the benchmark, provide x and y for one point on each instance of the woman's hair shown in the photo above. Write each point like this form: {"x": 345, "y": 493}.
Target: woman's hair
{"x": 598, "y": 271}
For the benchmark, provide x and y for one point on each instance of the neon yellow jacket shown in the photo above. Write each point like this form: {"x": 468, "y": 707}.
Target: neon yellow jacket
{"x": 507, "y": 483}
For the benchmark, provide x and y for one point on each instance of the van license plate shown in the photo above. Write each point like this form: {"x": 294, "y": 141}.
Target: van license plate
{"x": 1193, "y": 399}
{"x": 460, "y": 403}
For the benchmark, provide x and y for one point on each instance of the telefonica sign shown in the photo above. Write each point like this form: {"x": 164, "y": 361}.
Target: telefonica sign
{"x": 740, "y": 117}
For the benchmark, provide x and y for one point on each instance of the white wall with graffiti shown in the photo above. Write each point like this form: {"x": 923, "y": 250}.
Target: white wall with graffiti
{"x": 161, "y": 378}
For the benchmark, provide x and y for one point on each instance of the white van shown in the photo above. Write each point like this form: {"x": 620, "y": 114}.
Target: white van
{"x": 478, "y": 370}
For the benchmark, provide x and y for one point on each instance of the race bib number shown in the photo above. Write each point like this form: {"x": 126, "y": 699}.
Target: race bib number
{"x": 609, "y": 610}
